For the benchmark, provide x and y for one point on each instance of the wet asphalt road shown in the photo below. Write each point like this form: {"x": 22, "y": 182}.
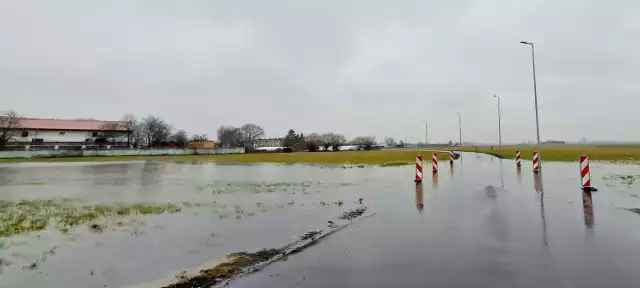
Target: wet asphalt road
{"x": 464, "y": 229}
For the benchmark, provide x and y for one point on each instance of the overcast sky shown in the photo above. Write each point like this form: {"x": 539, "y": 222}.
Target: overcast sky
{"x": 366, "y": 67}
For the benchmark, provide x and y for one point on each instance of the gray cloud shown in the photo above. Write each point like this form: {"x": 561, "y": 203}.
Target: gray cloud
{"x": 354, "y": 67}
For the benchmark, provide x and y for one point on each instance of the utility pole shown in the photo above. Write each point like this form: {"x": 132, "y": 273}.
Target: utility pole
{"x": 405, "y": 139}
{"x": 460, "y": 126}
{"x": 499, "y": 124}
{"x": 426, "y": 133}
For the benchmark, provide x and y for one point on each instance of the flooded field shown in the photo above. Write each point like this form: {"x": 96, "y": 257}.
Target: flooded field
{"x": 131, "y": 223}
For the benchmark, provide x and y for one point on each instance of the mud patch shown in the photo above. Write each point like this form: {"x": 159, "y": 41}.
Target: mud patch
{"x": 310, "y": 235}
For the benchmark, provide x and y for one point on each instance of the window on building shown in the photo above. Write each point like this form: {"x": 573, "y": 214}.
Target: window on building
{"x": 94, "y": 134}
{"x": 25, "y": 133}
{"x": 62, "y": 132}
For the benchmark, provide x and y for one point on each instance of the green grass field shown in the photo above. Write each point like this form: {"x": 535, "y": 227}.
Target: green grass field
{"x": 377, "y": 157}
{"x": 386, "y": 157}
{"x": 563, "y": 153}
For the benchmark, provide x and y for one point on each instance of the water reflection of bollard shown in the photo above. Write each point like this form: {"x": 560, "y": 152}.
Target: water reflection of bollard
{"x": 419, "y": 164}
{"x": 501, "y": 174}
{"x": 587, "y": 209}
{"x": 544, "y": 219}
{"x": 519, "y": 173}
{"x": 434, "y": 181}
{"x": 419, "y": 198}
{"x": 434, "y": 162}
{"x": 537, "y": 182}
{"x": 451, "y": 170}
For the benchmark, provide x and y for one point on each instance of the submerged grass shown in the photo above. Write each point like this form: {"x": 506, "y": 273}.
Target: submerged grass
{"x": 385, "y": 157}
{"x": 225, "y": 187}
{"x": 568, "y": 153}
{"x": 35, "y": 215}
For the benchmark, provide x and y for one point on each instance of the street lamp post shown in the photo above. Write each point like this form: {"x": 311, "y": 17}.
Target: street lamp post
{"x": 535, "y": 92}
{"x": 460, "y": 127}
{"x": 426, "y": 133}
{"x": 499, "y": 124}
{"x": 405, "y": 140}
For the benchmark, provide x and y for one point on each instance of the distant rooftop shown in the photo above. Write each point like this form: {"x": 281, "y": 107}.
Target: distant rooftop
{"x": 69, "y": 124}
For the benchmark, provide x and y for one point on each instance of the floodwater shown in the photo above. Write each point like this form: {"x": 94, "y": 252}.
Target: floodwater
{"x": 480, "y": 225}
{"x": 481, "y": 222}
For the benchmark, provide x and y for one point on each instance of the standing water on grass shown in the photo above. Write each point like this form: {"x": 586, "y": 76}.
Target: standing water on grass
{"x": 116, "y": 224}
{"x": 119, "y": 224}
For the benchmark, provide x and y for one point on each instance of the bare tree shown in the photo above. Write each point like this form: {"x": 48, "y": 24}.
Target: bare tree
{"x": 314, "y": 141}
{"x": 229, "y": 136}
{"x": 390, "y": 142}
{"x": 137, "y": 136}
{"x": 9, "y": 126}
{"x": 180, "y": 138}
{"x": 250, "y": 132}
{"x": 129, "y": 123}
{"x": 333, "y": 140}
{"x": 365, "y": 141}
{"x": 199, "y": 137}
{"x": 110, "y": 132}
{"x": 155, "y": 130}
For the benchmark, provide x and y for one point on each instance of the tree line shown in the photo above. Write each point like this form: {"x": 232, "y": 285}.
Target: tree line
{"x": 243, "y": 136}
{"x": 247, "y": 135}
{"x": 152, "y": 132}
{"x": 326, "y": 141}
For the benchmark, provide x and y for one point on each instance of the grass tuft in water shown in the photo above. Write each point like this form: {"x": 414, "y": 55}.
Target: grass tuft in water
{"x": 35, "y": 215}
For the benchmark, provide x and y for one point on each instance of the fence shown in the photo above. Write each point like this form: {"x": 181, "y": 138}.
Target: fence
{"x": 103, "y": 153}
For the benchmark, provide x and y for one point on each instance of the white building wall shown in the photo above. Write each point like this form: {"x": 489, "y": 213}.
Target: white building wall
{"x": 272, "y": 142}
{"x": 60, "y": 136}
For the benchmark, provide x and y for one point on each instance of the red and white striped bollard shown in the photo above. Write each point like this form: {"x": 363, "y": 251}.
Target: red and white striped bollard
{"x": 518, "y": 160}
{"x": 451, "y": 156}
{"x": 434, "y": 162}
{"x": 419, "y": 164}
{"x": 585, "y": 174}
{"x": 536, "y": 161}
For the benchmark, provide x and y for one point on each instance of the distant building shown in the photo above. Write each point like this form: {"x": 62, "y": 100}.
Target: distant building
{"x": 202, "y": 144}
{"x": 268, "y": 142}
{"x": 67, "y": 131}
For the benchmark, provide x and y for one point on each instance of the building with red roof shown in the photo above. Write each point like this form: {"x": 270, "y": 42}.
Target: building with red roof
{"x": 67, "y": 131}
